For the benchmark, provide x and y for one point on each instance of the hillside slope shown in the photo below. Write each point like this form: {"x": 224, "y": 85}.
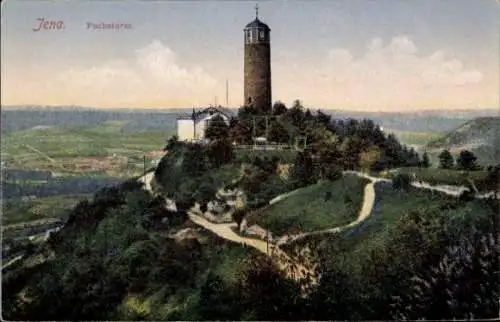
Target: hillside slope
{"x": 320, "y": 206}
{"x": 480, "y": 135}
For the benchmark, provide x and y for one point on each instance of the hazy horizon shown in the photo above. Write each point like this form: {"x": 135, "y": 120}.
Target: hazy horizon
{"x": 489, "y": 111}
{"x": 364, "y": 56}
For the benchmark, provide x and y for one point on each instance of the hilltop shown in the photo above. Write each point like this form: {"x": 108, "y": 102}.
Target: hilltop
{"x": 480, "y": 135}
{"x": 126, "y": 254}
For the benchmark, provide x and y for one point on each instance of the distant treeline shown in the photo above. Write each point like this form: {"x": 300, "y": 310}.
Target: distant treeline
{"x": 152, "y": 120}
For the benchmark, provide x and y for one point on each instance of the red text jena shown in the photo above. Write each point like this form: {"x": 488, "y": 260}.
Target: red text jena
{"x": 49, "y": 24}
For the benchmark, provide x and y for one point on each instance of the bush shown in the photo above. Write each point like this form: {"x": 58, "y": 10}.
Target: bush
{"x": 401, "y": 181}
{"x": 238, "y": 216}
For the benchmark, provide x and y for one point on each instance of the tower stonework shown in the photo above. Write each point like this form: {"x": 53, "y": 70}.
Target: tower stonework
{"x": 257, "y": 68}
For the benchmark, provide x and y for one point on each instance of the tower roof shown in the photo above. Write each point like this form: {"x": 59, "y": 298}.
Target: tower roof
{"x": 258, "y": 24}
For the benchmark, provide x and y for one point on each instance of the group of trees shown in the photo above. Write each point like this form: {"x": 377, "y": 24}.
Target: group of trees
{"x": 330, "y": 145}
{"x": 430, "y": 265}
{"x": 111, "y": 248}
{"x": 185, "y": 172}
{"x": 466, "y": 160}
{"x": 347, "y": 144}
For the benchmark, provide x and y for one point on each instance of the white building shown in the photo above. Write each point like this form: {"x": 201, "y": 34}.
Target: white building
{"x": 192, "y": 127}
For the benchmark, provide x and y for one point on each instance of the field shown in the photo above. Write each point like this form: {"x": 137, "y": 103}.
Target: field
{"x": 105, "y": 149}
{"x": 414, "y": 138}
{"x": 321, "y": 206}
{"x": 14, "y": 212}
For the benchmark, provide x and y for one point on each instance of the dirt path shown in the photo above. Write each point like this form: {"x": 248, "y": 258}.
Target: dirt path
{"x": 286, "y": 263}
{"x": 450, "y": 190}
{"x": 292, "y": 268}
{"x": 12, "y": 261}
{"x": 289, "y": 265}
{"x": 366, "y": 209}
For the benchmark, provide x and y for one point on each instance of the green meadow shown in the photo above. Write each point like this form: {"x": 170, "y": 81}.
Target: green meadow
{"x": 88, "y": 148}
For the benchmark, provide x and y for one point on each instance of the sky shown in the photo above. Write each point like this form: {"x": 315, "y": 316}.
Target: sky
{"x": 383, "y": 55}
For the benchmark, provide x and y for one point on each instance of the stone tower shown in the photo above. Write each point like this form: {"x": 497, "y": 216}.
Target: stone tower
{"x": 257, "y": 67}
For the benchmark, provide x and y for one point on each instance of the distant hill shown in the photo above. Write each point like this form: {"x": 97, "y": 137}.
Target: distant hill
{"x": 480, "y": 135}
{"x": 15, "y": 118}
{"x": 421, "y": 122}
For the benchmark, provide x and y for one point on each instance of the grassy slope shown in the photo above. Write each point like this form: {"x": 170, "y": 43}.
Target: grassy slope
{"x": 353, "y": 246}
{"x": 390, "y": 206}
{"x": 312, "y": 209}
{"x": 479, "y": 135}
{"x": 482, "y": 128}
{"x": 414, "y": 138}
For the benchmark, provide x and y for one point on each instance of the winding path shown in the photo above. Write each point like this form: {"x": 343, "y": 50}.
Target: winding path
{"x": 292, "y": 267}
{"x": 226, "y": 231}
{"x": 450, "y": 190}
{"x": 366, "y": 209}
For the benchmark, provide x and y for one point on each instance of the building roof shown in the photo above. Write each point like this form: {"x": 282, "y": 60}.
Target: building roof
{"x": 196, "y": 115}
{"x": 257, "y": 24}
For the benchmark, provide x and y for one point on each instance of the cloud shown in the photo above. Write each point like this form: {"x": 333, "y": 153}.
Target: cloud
{"x": 394, "y": 74}
{"x": 152, "y": 76}
{"x": 160, "y": 62}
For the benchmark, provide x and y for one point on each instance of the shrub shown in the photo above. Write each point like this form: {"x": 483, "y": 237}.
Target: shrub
{"x": 401, "y": 182}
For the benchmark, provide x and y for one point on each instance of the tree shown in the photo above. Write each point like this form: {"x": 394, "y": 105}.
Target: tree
{"x": 265, "y": 289}
{"x": 220, "y": 152}
{"x": 425, "y": 160}
{"x": 467, "y": 160}
{"x": 323, "y": 118}
{"x": 278, "y": 133}
{"x": 238, "y": 215}
{"x": 279, "y": 108}
{"x": 368, "y": 158}
{"x": 401, "y": 182}
{"x": 302, "y": 171}
{"x": 242, "y": 131}
{"x": 493, "y": 179}
{"x": 171, "y": 143}
{"x": 295, "y": 115}
{"x": 205, "y": 192}
{"x": 217, "y": 129}
{"x": 446, "y": 160}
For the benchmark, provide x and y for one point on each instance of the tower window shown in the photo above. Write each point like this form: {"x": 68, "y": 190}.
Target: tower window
{"x": 262, "y": 35}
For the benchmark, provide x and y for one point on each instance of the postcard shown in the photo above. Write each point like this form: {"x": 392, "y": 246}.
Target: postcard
{"x": 250, "y": 160}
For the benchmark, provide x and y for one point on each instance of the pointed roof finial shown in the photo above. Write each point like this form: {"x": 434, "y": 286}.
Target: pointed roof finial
{"x": 256, "y": 11}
